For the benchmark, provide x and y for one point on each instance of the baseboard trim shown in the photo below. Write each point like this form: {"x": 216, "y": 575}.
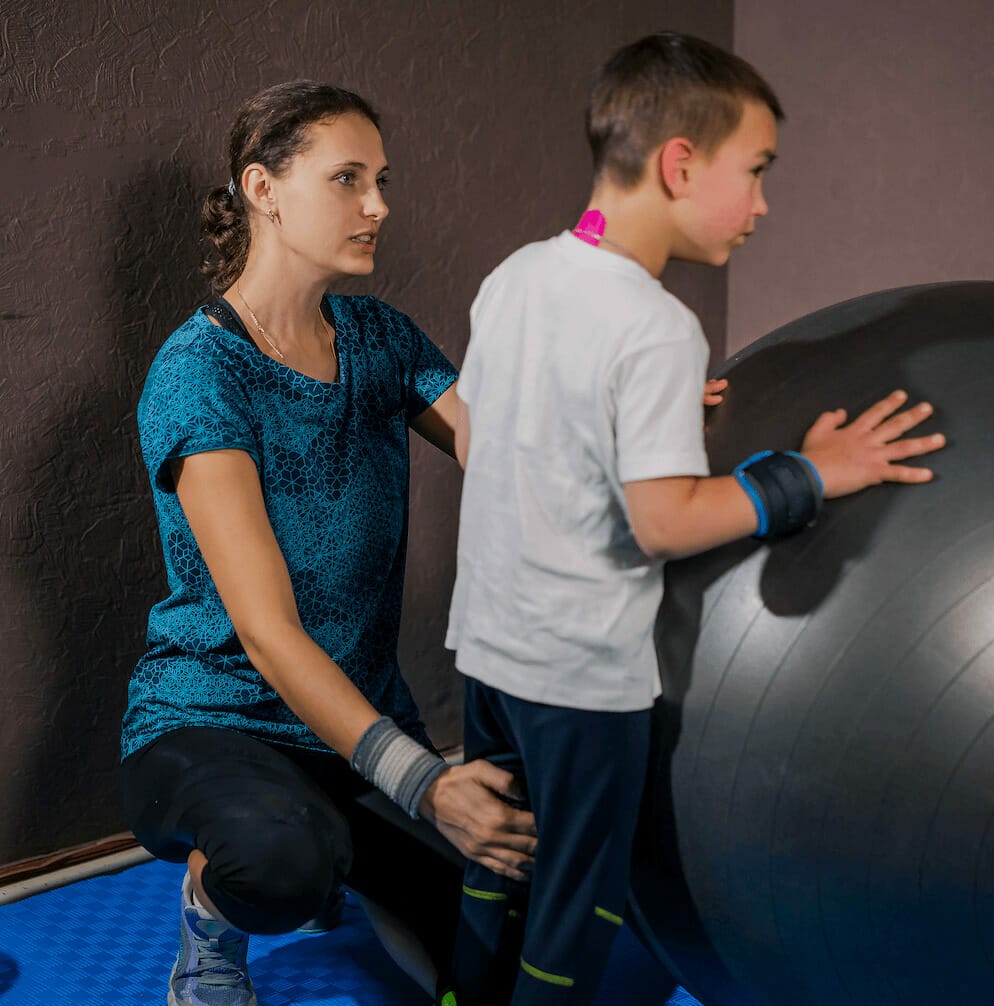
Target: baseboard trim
{"x": 66, "y": 866}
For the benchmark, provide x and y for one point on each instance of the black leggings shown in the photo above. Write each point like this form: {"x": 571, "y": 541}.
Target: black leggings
{"x": 282, "y": 827}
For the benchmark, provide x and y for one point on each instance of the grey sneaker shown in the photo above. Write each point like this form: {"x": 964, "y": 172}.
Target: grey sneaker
{"x": 210, "y": 967}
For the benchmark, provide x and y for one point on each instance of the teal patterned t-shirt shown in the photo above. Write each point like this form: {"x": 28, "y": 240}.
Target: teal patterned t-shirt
{"x": 333, "y": 463}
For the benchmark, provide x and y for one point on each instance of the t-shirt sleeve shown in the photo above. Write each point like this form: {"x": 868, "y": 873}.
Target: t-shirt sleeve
{"x": 426, "y": 371}
{"x": 470, "y": 373}
{"x": 657, "y": 391}
{"x": 192, "y": 403}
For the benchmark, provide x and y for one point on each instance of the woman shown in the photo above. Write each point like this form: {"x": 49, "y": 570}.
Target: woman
{"x": 269, "y": 703}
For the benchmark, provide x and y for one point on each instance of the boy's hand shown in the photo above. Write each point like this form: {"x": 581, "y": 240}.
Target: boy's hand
{"x": 850, "y": 458}
{"x": 713, "y": 389}
{"x": 465, "y": 804}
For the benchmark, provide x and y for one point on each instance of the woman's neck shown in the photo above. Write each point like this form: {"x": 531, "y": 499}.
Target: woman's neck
{"x": 286, "y": 304}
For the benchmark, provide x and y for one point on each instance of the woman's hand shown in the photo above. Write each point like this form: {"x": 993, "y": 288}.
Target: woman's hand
{"x": 713, "y": 391}
{"x": 850, "y": 458}
{"x": 464, "y": 803}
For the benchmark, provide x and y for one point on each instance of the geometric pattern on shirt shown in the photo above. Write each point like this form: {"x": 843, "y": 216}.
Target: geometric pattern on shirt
{"x": 333, "y": 463}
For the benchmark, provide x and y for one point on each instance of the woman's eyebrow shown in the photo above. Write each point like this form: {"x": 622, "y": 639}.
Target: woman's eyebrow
{"x": 359, "y": 165}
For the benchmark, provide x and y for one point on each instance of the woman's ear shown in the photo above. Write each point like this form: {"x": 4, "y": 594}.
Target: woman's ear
{"x": 257, "y": 188}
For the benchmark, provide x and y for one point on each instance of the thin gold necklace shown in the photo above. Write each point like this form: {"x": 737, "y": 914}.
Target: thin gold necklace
{"x": 258, "y": 324}
{"x": 272, "y": 345}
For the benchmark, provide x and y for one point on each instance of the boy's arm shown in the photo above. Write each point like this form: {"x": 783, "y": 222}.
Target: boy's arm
{"x": 462, "y": 431}
{"x": 676, "y": 517}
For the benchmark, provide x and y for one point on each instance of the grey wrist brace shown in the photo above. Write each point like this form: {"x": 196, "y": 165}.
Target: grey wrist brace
{"x": 396, "y": 765}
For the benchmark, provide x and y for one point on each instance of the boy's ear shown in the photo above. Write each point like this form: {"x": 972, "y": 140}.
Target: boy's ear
{"x": 675, "y": 157}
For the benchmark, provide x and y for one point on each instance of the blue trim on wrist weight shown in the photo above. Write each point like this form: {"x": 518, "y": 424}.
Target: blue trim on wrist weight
{"x": 753, "y": 493}
{"x": 785, "y": 490}
{"x": 811, "y": 468}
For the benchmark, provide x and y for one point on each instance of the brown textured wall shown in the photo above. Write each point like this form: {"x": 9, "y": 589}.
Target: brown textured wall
{"x": 884, "y": 177}
{"x": 113, "y": 122}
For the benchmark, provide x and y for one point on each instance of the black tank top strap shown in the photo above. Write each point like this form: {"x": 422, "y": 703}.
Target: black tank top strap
{"x": 219, "y": 308}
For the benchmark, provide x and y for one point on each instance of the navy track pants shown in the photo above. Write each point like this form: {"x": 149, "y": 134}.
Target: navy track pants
{"x": 547, "y": 942}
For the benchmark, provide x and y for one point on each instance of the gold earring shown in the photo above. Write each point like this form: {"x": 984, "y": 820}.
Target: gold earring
{"x": 272, "y": 216}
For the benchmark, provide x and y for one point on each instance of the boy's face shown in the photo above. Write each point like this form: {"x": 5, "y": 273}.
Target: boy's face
{"x": 726, "y": 194}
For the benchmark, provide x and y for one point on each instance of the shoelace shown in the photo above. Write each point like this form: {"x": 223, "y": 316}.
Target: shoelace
{"x": 217, "y": 959}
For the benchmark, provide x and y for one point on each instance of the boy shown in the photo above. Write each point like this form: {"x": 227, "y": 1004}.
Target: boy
{"x": 580, "y": 430}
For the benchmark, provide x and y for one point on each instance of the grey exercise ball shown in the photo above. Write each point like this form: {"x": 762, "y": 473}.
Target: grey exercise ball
{"x": 818, "y": 826}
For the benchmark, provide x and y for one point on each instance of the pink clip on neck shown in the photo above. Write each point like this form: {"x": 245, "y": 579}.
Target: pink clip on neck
{"x": 590, "y": 228}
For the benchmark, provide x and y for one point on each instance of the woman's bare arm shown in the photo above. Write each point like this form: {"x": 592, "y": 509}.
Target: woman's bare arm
{"x": 222, "y": 499}
{"x": 438, "y": 422}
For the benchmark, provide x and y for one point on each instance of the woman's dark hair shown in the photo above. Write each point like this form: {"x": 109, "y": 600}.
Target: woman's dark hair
{"x": 667, "y": 85}
{"x": 270, "y": 129}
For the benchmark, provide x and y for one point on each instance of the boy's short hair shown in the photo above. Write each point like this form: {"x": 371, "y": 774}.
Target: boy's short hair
{"x": 662, "y": 86}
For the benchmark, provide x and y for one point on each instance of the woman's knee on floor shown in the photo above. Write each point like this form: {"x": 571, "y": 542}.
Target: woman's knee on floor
{"x": 272, "y": 879}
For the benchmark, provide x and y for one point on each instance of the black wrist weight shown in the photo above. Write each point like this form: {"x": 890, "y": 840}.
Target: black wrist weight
{"x": 784, "y": 487}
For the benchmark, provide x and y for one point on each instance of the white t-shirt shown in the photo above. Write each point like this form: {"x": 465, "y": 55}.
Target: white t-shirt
{"x": 582, "y": 373}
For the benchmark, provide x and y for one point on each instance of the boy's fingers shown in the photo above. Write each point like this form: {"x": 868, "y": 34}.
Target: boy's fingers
{"x": 713, "y": 389}
{"x": 899, "y": 424}
{"x": 879, "y": 411}
{"x": 829, "y": 421}
{"x": 904, "y": 473}
{"x": 898, "y": 450}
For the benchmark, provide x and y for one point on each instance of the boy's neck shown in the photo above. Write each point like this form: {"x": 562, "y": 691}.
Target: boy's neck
{"x": 634, "y": 226}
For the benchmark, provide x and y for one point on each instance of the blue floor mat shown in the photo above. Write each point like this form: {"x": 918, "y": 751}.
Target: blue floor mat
{"x": 111, "y": 941}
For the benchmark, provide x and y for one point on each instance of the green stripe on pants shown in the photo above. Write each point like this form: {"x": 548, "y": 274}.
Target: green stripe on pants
{"x": 544, "y": 976}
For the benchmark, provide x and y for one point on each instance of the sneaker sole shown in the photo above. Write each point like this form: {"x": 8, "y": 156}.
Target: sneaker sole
{"x": 171, "y": 1000}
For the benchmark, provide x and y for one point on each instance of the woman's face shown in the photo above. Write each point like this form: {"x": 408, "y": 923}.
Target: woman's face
{"x": 329, "y": 200}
